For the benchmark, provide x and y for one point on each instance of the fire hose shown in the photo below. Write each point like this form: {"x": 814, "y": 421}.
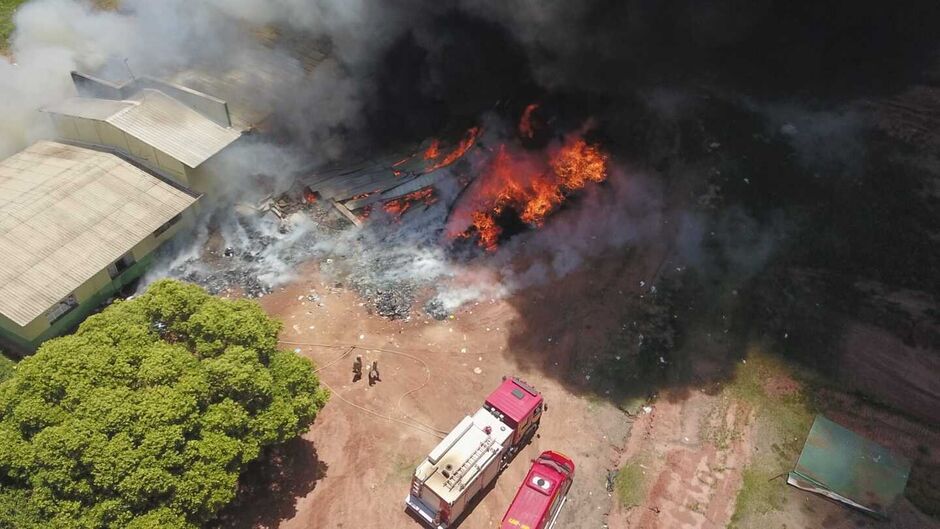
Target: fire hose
{"x": 411, "y": 421}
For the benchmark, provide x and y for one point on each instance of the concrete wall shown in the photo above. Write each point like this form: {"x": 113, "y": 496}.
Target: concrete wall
{"x": 95, "y": 132}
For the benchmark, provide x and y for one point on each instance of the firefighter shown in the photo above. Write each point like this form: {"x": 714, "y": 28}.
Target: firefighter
{"x": 374, "y": 374}
{"x": 357, "y": 369}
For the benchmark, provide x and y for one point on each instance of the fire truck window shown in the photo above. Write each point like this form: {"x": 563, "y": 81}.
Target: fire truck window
{"x": 518, "y": 394}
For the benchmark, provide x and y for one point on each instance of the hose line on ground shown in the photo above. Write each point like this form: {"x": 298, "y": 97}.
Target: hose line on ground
{"x": 414, "y": 423}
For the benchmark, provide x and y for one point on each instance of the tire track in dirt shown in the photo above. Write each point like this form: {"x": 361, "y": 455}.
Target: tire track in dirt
{"x": 692, "y": 453}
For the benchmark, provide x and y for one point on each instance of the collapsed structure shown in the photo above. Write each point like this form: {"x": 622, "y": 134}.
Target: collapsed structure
{"x": 76, "y": 225}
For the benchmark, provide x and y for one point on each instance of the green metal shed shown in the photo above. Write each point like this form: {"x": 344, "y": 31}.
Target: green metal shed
{"x": 842, "y": 465}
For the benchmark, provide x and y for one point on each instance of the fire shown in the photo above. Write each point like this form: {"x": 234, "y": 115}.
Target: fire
{"x": 578, "y": 163}
{"x": 434, "y": 150}
{"x": 310, "y": 196}
{"x": 531, "y": 186}
{"x": 466, "y": 143}
{"x": 526, "y": 128}
{"x": 400, "y": 205}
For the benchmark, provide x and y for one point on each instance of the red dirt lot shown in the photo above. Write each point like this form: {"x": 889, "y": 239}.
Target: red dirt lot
{"x": 352, "y": 469}
{"x": 367, "y": 460}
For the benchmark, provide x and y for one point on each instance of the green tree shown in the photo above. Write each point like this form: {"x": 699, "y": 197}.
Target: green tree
{"x": 6, "y": 367}
{"x": 145, "y": 417}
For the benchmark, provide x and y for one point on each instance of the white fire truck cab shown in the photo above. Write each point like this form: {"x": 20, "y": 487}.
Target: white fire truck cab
{"x": 473, "y": 454}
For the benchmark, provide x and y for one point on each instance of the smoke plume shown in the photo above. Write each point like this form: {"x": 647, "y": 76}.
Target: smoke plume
{"x": 394, "y": 73}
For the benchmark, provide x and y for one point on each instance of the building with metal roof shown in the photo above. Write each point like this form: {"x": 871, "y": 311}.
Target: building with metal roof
{"x": 76, "y": 225}
{"x": 842, "y": 465}
{"x": 164, "y": 126}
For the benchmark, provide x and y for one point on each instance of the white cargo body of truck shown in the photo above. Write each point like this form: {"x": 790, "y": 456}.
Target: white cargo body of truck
{"x": 468, "y": 459}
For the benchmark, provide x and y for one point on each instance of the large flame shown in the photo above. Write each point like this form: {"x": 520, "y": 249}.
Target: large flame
{"x": 532, "y": 186}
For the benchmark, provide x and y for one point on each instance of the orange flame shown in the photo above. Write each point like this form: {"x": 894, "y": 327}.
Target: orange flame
{"x": 466, "y": 143}
{"x": 400, "y": 205}
{"x": 532, "y": 187}
{"x": 310, "y": 196}
{"x": 526, "y": 128}
{"x": 434, "y": 150}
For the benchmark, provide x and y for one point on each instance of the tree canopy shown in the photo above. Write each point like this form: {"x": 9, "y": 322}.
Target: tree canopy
{"x": 145, "y": 417}
{"x": 6, "y": 367}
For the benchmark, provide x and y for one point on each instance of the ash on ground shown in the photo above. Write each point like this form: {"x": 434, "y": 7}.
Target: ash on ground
{"x": 254, "y": 250}
{"x": 259, "y": 246}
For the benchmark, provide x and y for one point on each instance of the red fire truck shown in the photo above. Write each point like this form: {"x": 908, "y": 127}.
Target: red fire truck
{"x": 474, "y": 453}
{"x": 542, "y": 495}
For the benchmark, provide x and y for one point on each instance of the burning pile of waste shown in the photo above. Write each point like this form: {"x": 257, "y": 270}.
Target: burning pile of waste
{"x": 527, "y": 185}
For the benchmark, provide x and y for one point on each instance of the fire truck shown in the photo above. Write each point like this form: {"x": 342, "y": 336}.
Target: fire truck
{"x": 474, "y": 453}
{"x": 542, "y": 495}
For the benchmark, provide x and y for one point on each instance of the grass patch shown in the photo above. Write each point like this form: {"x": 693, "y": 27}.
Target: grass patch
{"x": 782, "y": 422}
{"x": 403, "y": 469}
{"x": 759, "y": 494}
{"x": 7, "y": 9}
{"x": 630, "y": 485}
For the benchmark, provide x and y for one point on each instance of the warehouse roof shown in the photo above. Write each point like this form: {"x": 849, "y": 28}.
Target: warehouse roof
{"x": 157, "y": 120}
{"x": 66, "y": 213}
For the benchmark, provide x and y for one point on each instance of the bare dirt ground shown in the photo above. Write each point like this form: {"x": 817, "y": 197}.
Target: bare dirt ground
{"x": 690, "y": 479}
{"x": 365, "y": 461}
{"x": 694, "y": 448}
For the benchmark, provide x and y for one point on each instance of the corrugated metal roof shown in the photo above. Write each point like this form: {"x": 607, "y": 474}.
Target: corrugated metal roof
{"x": 66, "y": 213}
{"x": 157, "y": 120}
{"x": 99, "y": 109}
{"x": 845, "y": 466}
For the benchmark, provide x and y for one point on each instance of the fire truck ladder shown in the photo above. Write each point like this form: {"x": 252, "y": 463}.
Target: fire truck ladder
{"x": 474, "y": 457}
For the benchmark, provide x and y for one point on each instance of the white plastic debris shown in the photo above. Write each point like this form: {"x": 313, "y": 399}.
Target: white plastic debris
{"x": 647, "y": 409}
{"x": 477, "y": 370}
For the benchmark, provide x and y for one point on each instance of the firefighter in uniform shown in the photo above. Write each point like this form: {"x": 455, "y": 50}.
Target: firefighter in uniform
{"x": 374, "y": 373}
{"x": 357, "y": 369}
